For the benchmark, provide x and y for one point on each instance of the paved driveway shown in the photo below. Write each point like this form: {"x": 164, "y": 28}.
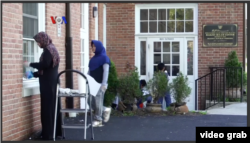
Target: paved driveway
{"x": 164, "y": 128}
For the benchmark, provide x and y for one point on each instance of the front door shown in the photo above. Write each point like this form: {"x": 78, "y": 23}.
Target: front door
{"x": 174, "y": 53}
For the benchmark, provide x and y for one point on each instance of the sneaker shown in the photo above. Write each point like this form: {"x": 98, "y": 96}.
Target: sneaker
{"x": 97, "y": 124}
{"x": 106, "y": 114}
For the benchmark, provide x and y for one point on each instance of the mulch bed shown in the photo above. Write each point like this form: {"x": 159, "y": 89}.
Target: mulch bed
{"x": 143, "y": 112}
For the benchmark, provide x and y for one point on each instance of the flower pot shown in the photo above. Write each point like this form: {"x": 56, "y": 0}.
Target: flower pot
{"x": 180, "y": 104}
{"x": 135, "y": 107}
{"x": 153, "y": 108}
{"x": 181, "y": 108}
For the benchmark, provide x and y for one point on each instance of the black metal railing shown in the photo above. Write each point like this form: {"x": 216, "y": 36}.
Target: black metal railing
{"x": 222, "y": 84}
{"x": 206, "y": 95}
{"x": 234, "y": 83}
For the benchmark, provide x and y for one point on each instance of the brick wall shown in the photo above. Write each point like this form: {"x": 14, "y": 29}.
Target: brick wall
{"x": 76, "y": 44}
{"x": 21, "y": 115}
{"x": 59, "y": 42}
{"x": 100, "y": 22}
{"x": 120, "y": 34}
{"x": 51, "y": 29}
{"x": 91, "y": 27}
{"x": 219, "y": 13}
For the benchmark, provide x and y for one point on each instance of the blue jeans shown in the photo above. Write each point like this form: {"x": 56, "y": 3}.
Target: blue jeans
{"x": 167, "y": 99}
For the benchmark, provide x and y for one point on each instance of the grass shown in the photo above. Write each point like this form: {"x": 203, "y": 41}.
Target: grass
{"x": 128, "y": 113}
{"x": 200, "y": 112}
{"x": 168, "y": 108}
{"x": 203, "y": 112}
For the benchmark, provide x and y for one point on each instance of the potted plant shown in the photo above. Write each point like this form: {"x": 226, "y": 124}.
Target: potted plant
{"x": 128, "y": 87}
{"x": 180, "y": 91}
{"x": 112, "y": 86}
{"x": 157, "y": 86}
{"x": 233, "y": 77}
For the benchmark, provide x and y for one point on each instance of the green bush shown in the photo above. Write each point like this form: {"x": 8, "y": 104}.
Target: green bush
{"x": 233, "y": 76}
{"x": 179, "y": 88}
{"x": 128, "y": 85}
{"x": 112, "y": 86}
{"x": 158, "y": 86}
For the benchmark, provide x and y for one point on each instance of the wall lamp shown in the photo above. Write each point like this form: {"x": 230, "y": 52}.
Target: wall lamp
{"x": 94, "y": 11}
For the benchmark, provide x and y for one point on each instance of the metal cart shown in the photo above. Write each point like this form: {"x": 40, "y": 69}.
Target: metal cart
{"x": 86, "y": 111}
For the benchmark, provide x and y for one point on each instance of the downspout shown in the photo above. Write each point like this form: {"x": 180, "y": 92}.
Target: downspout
{"x": 244, "y": 37}
{"x": 68, "y": 55}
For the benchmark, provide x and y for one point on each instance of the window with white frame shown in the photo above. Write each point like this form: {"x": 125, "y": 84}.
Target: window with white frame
{"x": 84, "y": 37}
{"x": 30, "y": 28}
{"x": 33, "y": 22}
{"x": 167, "y": 20}
{"x": 82, "y": 15}
{"x": 143, "y": 55}
{"x": 82, "y": 56}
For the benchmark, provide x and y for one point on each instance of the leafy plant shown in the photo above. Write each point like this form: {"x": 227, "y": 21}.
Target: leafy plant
{"x": 179, "y": 88}
{"x": 128, "y": 113}
{"x": 158, "y": 85}
{"x": 203, "y": 112}
{"x": 233, "y": 76}
{"x": 112, "y": 86}
{"x": 128, "y": 87}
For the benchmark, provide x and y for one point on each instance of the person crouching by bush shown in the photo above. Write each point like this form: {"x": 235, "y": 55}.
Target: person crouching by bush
{"x": 167, "y": 98}
{"x": 141, "y": 102}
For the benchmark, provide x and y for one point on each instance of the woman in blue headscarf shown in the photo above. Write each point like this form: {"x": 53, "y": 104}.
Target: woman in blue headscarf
{"x": 99, "y": 69}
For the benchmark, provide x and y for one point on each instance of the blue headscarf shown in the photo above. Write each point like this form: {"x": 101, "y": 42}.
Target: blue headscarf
{"x": 100, "y": 58}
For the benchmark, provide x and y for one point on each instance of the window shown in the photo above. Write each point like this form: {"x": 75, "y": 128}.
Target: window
{"x": 143, "y": 58}
{"x": 169, "y": 54}
{"x": 167, "y": 20}
{"x": 33, "y": 22}
{"x": 190, "y": 48}
{"x": 82, "y": 56}
{"x": 82, "y": 16}
{"x": 30, "y": 28}
{"x": 84, "y": 36}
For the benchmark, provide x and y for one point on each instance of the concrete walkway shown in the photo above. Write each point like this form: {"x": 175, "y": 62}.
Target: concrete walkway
{"x": 230, "y": 109}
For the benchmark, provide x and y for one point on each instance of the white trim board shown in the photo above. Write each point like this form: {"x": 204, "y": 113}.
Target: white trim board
{"x": 84, "y": 35}
{"x": 104, "y": 26}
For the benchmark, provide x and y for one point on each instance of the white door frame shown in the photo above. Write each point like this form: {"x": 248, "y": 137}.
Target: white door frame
{"x": 144, "y": 36}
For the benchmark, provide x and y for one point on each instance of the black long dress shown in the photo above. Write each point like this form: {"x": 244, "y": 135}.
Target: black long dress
{"x": 48, "y": 83}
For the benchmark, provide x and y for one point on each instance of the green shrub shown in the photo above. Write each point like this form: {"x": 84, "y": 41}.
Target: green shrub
{"x": 158, "y": 85}
{"x": 112, "y": 86}
{"x": 128, "y": 85}
{"x": 233, "y": 76}
{"x": 180, "y": 88}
